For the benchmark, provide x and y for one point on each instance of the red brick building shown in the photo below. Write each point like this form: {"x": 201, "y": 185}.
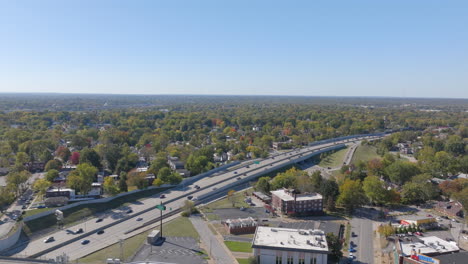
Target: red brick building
{"x": 292, "y": 202}
{"x": 240, "y": 226}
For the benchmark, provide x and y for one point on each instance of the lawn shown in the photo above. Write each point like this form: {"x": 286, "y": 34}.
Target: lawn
{"x": 365, "y": 153}
{"x": 36, "y": 211}
{"x": 180, "y": 227}
{"x": 238, "y": 198}
{"x": 130, "y": 247}
{"x": 243, "y": 261}
{"x": 334, "y": 160}
{"x": 81, "y": 212}
{"x": 239, "y": 246}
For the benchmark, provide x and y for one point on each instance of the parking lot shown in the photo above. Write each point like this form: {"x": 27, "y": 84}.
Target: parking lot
{"x": 173, "y": 250}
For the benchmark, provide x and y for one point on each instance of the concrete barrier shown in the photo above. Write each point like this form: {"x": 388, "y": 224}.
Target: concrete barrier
{"x": 11, "y": 240}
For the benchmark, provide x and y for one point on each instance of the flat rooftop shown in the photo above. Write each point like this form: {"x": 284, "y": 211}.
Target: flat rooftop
{"x": 431, "y": 245}
{"x": 292, "y": 239}
{"x": 283, "y": 195}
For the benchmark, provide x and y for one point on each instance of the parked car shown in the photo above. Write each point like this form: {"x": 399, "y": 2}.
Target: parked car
{"x": 24, "y": 207}
{"x": 49, "y": 239}
{"x": 418, "y": 233}
{"x": 351, "y": 249}
{"x": 353, "y": 234}
{"x": 84, "y": 242}
{"x": 242, "y": 209}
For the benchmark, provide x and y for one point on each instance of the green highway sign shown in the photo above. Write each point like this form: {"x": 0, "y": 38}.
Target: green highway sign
{"x": 161, "y": 207}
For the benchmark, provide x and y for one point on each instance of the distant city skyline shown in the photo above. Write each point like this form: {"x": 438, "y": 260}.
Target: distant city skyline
{"x": 307, "y": 48}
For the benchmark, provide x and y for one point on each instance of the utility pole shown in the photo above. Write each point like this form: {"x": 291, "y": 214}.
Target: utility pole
{"x": 160, "y": 219}
{"x": 121, "y": 242}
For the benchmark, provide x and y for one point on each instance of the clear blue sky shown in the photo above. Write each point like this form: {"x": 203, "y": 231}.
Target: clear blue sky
{"x": 407, "y": 48}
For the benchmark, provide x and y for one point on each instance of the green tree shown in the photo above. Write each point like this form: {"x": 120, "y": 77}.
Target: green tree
{"x": 401, "y": 171}
{"x": 51, "y": 175}
{"x": 158, "y": 164}
{"x": 334, "y": 246}
{"x": 351, "y": 195}
{"x": 123, "y": 182}
{"x": 90, "y": 156}
{"x": 263, "y": 185}
{"x": 375, "y": 190}
{"x": 53, "y": 165}
{"x": 41, "y": 186}
{"x": 16, "y": 180}
{"x": 82, "y": 178}
{"x": 330, "y": 191}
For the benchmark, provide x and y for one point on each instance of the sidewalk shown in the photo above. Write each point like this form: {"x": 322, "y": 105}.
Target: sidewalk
{"x": 215, "y": 244}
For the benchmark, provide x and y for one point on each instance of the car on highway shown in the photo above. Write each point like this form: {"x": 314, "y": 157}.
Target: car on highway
{"x": 99, "y": 220}
{"x": 139, "y": 219}
{"x": 235, "y": 172}
{"x": 238, "y": 178}
{"x": 84, "y": 242}
{"x": 214, "y": 189}
{"x": 100, "y": 232}
{"x": 194, "y": 199}
{"x": 247, "y": 166}
{"x": 129, "y": 211}
{"x": 190, "y": 197}
{"x": 49, "y": 239}
{"x": 162, "y": 196}
{"x": 197, "y": 187}
{"x": 79, "y": 231}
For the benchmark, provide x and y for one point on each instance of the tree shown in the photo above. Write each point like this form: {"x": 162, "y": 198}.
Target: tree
{"x": 158, "y": 164}
{"x": 316, "y": 180}
{"x": 123, "y": 182}
{"x": 82, "y": 178}
{"x": 231, "y": 197}
{"x": 157, "y": 182}
{"x": 386, "y": 230}
{"x": 188, "y": 208}
{"x": 138, "y": 179}
{"x": 401, "y": 171}
{"x": 21, "y": 159}
{"x": 351, "y": 195}
{"x": 75, "y": 158}
{"x": 51, "y": 175}
{"x": 110, "y": 187}
{"x": 16, "y": 180}
{"x": 374, "y": 189}
{"x": 90, "y": 156}
{"x": 263, "y": 185}
{"x": 329, "y": 190}
{"x": 41, "y": 186}
{"x": 334, "y": 246}
{"x": 63, "y": 153}
{"x": 53, "y": 165}
{"x": 164, "y": 174}
{"x": 413, "y": 194}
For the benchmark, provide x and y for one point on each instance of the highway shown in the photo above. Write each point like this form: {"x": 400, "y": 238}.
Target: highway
{"x": 175, "y": 199}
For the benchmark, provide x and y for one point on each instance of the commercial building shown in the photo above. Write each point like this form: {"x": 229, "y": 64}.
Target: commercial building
{"x": 57, "y": 192}
{"x": 419, "y": 221}
{"x": 241, "y": 226}
{"x": 291, "y": 202}
{"x": 428, "y": 250}
{"x": 289, "y": 246}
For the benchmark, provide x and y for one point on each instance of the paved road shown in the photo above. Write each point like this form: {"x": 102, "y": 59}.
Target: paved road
{"x": 217, "y": 251}
{"x": 15, "y": 208}
{"x": 362, "y": 228}
{"x": 209, "y": 185}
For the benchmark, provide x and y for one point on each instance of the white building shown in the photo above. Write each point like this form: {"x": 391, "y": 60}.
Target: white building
{"x": 289, "y": 246}
{"x": 429, "y": 246}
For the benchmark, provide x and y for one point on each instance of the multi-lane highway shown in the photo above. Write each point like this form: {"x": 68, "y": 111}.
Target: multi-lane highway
{"x": 117, "y": 229}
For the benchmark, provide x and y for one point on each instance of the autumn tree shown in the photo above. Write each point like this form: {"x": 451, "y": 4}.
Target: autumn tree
{"x": 110, "y": 187}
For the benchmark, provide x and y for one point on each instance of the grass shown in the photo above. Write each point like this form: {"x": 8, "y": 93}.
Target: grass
{"x": 212, "y": 217}
{"x": 84, "y": 211}
{"x": 238, "y": 198}
{"x": 239, "y": 246}
{"x": 243, "y": 261}
{"x": 130, "y": 246}
{"x": 180, "y": 227}
{"x": 334, "y": 160}
{"x": 365, "y": 153}
{"x": 347, "y": 235}
{"x": 36, "y": 211}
